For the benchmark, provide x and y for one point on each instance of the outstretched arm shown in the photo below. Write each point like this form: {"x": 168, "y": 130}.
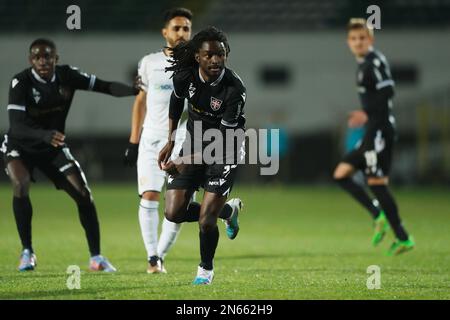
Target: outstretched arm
{"x": 83, "y": 81}
{"x": 113, "y": 88}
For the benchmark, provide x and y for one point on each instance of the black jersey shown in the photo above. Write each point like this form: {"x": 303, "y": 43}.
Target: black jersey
{"x": 45, "y": 103}
{"x": 218, "y": 104}
{"x": 376, "y": 89}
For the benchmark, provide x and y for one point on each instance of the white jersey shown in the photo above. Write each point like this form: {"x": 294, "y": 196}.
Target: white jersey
{"x": 159, "y": 86}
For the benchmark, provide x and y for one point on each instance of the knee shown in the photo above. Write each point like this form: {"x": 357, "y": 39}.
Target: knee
{"x": 338, "y": 174}
{"x": 151, "y": 195}
{"x": 84, "y": 197}
{"x": 173, "y": 214}
{"x": 339, "y": 179}
{"x": 21, "y": 187}
{"x": 342, "y": 171}
{"x": 207, "y": 224}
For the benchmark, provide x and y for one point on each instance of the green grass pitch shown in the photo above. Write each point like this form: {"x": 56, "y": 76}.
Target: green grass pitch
{"x": 295, "y": 243}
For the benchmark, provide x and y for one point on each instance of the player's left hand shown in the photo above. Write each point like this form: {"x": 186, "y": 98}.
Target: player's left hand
{"x": 131, "y": 154}
{"x": 357, "y": 119}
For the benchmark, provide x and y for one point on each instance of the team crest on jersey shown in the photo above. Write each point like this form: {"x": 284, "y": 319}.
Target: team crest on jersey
{"x": 36, "y": 95}
{"x": 215, "y": 103}
{"x": 191, "y": 90}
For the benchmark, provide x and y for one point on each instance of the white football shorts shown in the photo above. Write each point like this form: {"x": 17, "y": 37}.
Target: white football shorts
{"x": 150, "y": 176}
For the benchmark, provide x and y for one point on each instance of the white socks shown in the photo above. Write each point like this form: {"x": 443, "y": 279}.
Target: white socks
{"x": 149, "y": 220}
{"x": 169, "y": 234}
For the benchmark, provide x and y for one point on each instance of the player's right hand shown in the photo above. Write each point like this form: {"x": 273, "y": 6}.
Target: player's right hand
{"x": 131, "y": 154}
{"x": 164, "y": 154}
{"x": 55, "y": 138}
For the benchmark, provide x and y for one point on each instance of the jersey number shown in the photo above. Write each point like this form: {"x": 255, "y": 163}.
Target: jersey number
{"x": 227, "y": 169}
{"x": 371, "y": 160}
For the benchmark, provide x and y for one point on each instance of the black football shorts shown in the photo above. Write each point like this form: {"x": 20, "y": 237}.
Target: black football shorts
{"x": 374, "y": 155}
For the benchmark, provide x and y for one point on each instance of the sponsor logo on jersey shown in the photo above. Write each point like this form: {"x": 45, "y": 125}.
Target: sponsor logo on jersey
{"x": 191, "y": 90}
{"x": 219, "y": 182}
{"x": 14, "y": 82}
{"x": 36, "y": 95}
{"x": 215, "y": 103}
{"x": 163, "y": 87}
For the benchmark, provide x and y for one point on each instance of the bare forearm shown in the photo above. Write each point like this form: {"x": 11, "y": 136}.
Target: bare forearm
{"x": 137, "y": 117}
{"x": 173, "y": 125}
{"x": 114, "y": 88}
{"x": 175, "y": 110}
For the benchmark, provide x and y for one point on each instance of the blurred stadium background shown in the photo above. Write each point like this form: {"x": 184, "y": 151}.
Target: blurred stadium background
{"x": 292, "y": 56}
{"x": 300, "y": 78}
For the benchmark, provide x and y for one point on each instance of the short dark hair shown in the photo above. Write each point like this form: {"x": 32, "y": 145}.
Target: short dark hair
{"x": 177, "y": 12}
{"x": 183, "y": 55}
{"x": 43, "y": 41}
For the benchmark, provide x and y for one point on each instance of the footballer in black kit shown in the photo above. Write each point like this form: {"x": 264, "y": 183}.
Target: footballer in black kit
{"x": 216, "y": 97}
{"x": 374, "y": 154}
{"x": 216, "y": 105}
{"x": 376, "y": 90}
{"x": 39, "y": 101}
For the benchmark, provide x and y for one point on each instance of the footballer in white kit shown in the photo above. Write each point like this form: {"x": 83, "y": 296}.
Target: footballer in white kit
{"x": 158, "y": 85}
{"x": 149, "y": 134}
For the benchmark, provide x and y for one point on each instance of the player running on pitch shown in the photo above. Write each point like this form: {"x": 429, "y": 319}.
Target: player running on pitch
{"x": 148, "y": 136}
{"x": 39, "y": 101}
{"x": 216, "y": 97}
{"x": 374, "y": 155}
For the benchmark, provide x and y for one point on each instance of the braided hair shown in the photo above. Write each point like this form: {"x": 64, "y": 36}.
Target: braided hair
{"x": 183, "y": 55}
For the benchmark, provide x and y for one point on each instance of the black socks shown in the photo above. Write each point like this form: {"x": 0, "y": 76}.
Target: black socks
{"x": 389, "y": 206}
{"x": 193, "y": 212}
{"x": 210, "y": 238}
{"x": 23, "y": 213}
{"x": 208, "y": 245}
{"x": 88, "y": 218}
{"x": 359, "y": 194}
